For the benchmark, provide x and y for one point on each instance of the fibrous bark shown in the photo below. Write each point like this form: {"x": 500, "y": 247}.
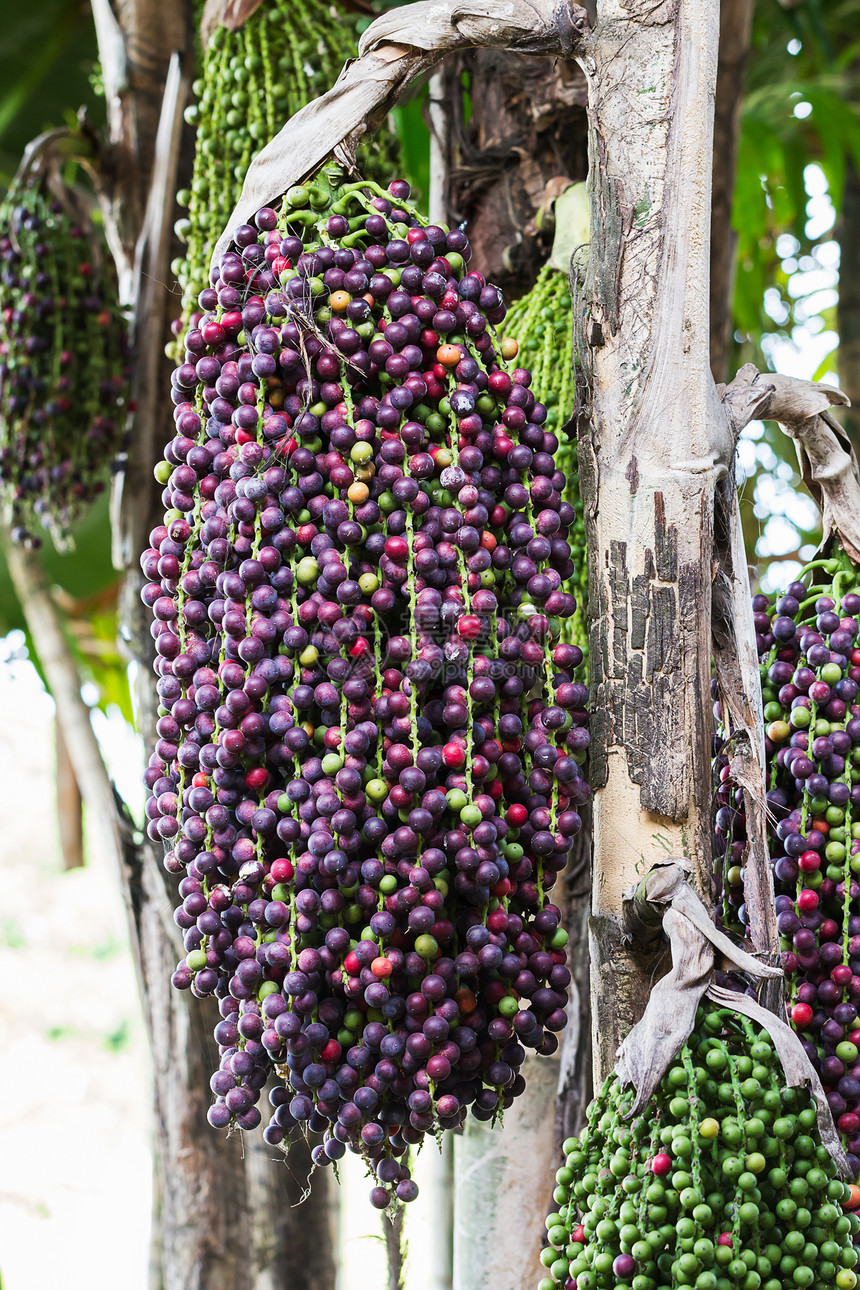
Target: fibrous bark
{"x": 526, "y": 141}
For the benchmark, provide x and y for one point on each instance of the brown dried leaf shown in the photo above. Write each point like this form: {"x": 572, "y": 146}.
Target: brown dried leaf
{"x": 746, "y": 397}
{"x": 827, "y": 461}
{"x": 655, "y": 1040}
{"x": 736, "y": 663}
{"x": 796, "y": 400}
{"x": 667, "y": 884}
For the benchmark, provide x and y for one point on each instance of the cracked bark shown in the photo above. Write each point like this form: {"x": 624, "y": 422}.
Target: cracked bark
{"x": 651, "y": 457}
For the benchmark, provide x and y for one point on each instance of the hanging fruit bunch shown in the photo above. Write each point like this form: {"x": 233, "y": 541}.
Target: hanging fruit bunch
{"x": 723, "y": 1181}
{"x": 810, "y": 667}
{"x": 253, "y": 80}
{"x": 63, "y": 357}
{"x": 541, "y": 321}
{"x": 368, "y": 765}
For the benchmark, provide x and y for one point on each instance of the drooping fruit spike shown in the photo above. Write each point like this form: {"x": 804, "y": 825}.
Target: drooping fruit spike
{"x": 810, "y": 673}
{"x": 368, "y": 773}
{"x": 541, "y": 321}
{"x": 63, "y": 361}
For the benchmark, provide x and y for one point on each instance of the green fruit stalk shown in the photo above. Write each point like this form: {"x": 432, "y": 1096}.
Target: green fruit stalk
{"x": 541, "y": 321}
{"x": 722, "y": 1184}
{"x": 63, "y": 361}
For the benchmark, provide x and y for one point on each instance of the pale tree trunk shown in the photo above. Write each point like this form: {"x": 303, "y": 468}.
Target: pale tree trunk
{"x": 70, "y": 804}
{"x": 651, "y": 457}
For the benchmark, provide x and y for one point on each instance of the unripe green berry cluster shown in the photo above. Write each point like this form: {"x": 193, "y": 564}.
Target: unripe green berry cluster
{"x": 541, "y": 322}
{"x": 723, "y": 1183}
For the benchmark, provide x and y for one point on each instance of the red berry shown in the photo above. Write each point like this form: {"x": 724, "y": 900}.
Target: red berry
{"x": 809, "y": 862}
{"x": 661, "y": 1164}
{"x": 330, "y": 1052}
{"x": 801, "y": 1015}
{"x": 454, "y": 755}
{"x": 213, "y": 333}
{"x": 500, "y": 383}
{"x": 257, "y": 778}
{"x": 807, "y": 900}
{"x": 469, "y": 626}
{"x": 282, "y": 869}
{"x": 724, "y": 1238}
{"x": 497, "y": 921}
{"x": 397, "y": 549}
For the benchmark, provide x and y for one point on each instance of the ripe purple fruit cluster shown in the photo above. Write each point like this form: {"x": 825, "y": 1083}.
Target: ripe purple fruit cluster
{"x": 368, "y": 767}
{"x": 810, "y": 665}
{"x": 63, "y": 365}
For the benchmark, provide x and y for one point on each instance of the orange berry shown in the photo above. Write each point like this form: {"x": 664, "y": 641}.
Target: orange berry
{"x": 358, "y": 492}
{"x": 466, "y": 1001}
{"x": 488, "y": 542}
{"x": 339, "y": 301}
{"x": 448, "y": 355}
{"x": 509, "y": 347}
{"x": 381, "y": 967}
{"x": 853, "y": 1200}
